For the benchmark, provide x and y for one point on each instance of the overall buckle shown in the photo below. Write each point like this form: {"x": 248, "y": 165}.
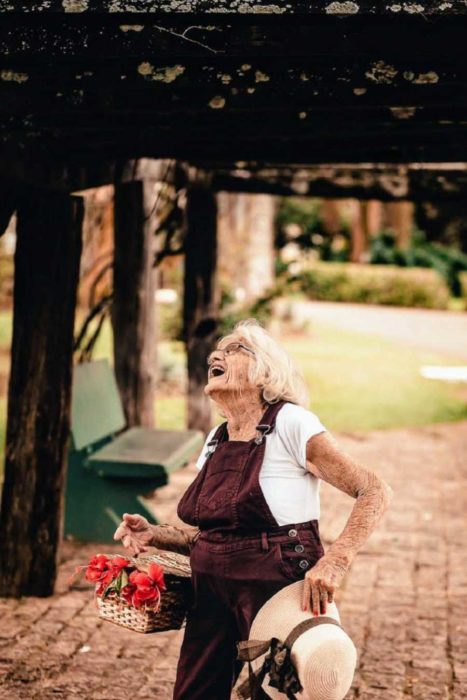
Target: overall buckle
{"x": 211, "y": 447}
{"x": 263, "y": 430}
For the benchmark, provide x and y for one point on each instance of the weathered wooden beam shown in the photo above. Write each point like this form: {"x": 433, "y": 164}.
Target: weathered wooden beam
{"x": 133, "y": 306}
{"x": 448, "y": 143}
{"x": 80, "y": 174}
{"x": 421, "y": 110}
{"x": 46, "y": 277}
{"x": 200, "y": 303}
{"x": 37, "y": 94}
{"x": 87, "y": 37}
{"x": 259, "y": 8}
{"x": 386, "y": 184}
{"x": 376, "y": 143}
{"x": 437, "y": 182}
{"x": 127, "y": 84}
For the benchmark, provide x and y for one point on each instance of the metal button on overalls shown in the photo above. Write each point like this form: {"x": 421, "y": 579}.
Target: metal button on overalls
{"x": 241, "y": 558}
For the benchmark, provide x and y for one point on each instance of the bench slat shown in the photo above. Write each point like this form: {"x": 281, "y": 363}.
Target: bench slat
{"x": 144, "y": 452}
{"x": 96, "y": 409}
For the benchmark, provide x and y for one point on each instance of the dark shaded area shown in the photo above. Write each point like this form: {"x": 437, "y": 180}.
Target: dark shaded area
{"x": 46, "y": 277}
{"x": 306, "y": 83}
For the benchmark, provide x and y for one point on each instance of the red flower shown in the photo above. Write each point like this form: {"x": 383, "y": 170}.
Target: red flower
{"x": 117, "y": 564}
{"x": 127, "y": 593}
{"x": 97, "y": 569}
{"x": 156, "y": 572}
{"x": 100, "y": 588}
{"x": 142, "y": 590}
{"x": 120, "y": 562}
{"x": 148, "y": 597}
{"x": 140, "y": 579}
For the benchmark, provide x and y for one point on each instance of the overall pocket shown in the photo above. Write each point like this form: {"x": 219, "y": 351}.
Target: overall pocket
{"x": 298, "y": 557}
{"x": 220, "y": 485}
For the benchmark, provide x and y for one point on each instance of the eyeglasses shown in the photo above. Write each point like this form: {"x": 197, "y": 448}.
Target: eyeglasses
{"x": 230, "y": 349}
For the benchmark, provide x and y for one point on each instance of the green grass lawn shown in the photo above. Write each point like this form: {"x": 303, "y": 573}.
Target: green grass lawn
{"x": 362, "y": 382}
{"x": 357, "y": 382}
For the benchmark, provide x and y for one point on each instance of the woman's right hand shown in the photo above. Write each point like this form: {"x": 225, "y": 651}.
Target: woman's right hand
{"x": 135, "y": 532}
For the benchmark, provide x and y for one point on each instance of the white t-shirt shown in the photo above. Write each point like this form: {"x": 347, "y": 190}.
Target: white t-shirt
{"x": 290, "y": 490}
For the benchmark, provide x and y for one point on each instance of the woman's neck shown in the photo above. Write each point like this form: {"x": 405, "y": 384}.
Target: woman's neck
{"x": 243, "y": 415}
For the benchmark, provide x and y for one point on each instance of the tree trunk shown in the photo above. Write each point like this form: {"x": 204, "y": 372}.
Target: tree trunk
{"x": 358, "y": 231}
{"x": 330, "y": 211}
{"x": 246, "y": 243}
{"x": 200, "y": 312}
{"x": 95, "y": 274}
{"x": 46, "y": 275}
{"x": 400, "y": 219}
{"x": 374, "y": 217}
{"x": 133, "y": 309}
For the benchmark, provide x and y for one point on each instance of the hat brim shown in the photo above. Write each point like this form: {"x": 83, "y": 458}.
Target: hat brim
{"x": 325, "y": 657}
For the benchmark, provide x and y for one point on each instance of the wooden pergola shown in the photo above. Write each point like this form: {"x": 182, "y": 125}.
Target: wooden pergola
{"x": 330, "y": 98}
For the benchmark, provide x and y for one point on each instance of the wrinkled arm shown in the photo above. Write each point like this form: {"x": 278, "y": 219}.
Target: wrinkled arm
{"x": 173, "y": 538}
{"x": 326, "y": 461}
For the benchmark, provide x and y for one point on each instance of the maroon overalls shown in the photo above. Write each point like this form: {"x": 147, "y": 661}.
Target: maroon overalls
{"x": 239, "y": 560}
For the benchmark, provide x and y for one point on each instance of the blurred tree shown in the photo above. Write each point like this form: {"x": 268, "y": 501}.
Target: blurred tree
{"x": 246, "y": 243}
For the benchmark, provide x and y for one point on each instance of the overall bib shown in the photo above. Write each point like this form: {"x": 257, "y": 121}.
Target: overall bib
{"x": 240, "y": 559}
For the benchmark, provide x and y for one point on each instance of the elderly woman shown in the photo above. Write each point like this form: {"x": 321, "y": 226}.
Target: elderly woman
{"x": 253, "y": 509}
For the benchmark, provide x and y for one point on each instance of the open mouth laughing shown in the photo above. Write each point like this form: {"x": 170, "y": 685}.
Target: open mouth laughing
{"x": 216, "y": 370}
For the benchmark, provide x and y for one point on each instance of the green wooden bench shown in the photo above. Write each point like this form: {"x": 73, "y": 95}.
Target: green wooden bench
{"x": 109, "y": 468}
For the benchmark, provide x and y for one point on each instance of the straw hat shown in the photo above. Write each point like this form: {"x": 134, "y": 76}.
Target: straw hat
{"x": 322, "y": 654}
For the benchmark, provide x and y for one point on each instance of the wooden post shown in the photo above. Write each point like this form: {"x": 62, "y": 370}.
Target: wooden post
{"x": 133, "y": 309}
{"x": 200, "y": 310}
{"x": 46, "y": 275}
{"x": 8, "y": 203}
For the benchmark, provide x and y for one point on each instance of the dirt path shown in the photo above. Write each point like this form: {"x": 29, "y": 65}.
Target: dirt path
{"x": 404, "y": 602}
{"x": 443, "y": 332}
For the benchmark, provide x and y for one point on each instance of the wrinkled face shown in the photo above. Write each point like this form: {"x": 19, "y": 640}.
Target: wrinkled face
{"x": 228, "y": 372}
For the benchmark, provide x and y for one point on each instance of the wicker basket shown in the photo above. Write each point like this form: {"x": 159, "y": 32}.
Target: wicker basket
{"x": 175, "y": 601}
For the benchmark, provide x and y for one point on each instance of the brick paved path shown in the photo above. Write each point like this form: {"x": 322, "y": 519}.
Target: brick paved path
{"x": 404, "y": 602}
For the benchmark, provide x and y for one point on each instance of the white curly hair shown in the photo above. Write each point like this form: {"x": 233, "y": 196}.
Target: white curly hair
{"x": 274, "y": 371}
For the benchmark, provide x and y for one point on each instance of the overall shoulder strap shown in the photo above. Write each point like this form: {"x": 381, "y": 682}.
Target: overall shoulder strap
{"x": 219, "y": 436}
{"x": 268, "y": 421}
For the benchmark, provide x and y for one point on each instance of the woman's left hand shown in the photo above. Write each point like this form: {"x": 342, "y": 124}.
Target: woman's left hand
{"x": 321, "y": 582}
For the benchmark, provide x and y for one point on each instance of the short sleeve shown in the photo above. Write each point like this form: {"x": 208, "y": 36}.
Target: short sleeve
{"x": 295, "y": 426}
{"x": 202, "y": 457}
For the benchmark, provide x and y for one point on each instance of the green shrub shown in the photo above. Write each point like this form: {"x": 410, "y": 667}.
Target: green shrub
{"x": 447, "y": 261}
{"x": 306, "y": 214}
{"x": 374, "y": 284}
